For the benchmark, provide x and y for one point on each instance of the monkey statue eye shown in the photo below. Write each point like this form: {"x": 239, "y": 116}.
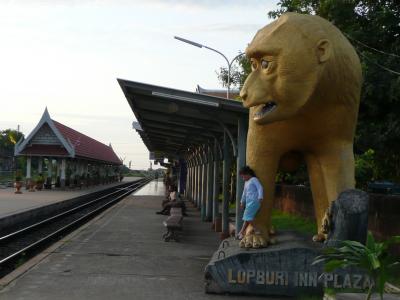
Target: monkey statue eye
{"x": 264, "y": 64}
{"x": 253, "y": 65}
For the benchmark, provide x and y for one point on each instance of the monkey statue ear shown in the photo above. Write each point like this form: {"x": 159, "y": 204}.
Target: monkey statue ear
{"x": 323, "y": 50}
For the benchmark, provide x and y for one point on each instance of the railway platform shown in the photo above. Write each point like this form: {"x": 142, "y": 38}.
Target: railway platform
{"x": 11, "y": 203}
{"x": 121, "y": 255}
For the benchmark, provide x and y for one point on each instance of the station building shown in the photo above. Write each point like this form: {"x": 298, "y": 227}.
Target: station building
{"x": 70, "y": 158}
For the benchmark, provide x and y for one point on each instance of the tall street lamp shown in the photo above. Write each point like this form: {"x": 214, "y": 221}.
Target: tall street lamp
{"x": 209, "y": 48}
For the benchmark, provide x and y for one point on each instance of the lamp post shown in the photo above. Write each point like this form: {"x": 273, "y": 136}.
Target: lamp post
{"x": 209, "y": 48}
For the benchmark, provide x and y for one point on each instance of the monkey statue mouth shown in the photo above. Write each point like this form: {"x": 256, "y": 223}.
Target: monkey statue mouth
{"x": 264, "y": 109}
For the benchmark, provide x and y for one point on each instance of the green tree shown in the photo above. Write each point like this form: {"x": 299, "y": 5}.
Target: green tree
{"x": 239, "y": 71}
{"x": 8, "y": 139}
{"x": 366, "y": 169}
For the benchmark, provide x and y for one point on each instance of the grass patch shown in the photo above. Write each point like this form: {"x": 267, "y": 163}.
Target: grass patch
{"x": 287, "y": 221}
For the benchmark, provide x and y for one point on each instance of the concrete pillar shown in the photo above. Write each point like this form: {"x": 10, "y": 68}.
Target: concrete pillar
{"x": 28, "y": 167}
{"x": 58, "y": 167}
{"x": 204, "y": 190}
{"x": 225, "y": 187}
{"x": 58, "y": 172}
{"x": 240, "y": 162}
{"x": 28, "y": 176}
{"x": 199, "y": 178}
{"x": 216, "y": 185}
{"x": 86, "y": 172}
{"x": 187, "y": 180}
{"x": 193, "y": 179}
{"x": 178, "y": 178}
{"x": 190, "y": 189}
{"x": 194, "y": 182}
{"x": 210, "y": 173}
{"x": 62, "y": 175}
{"x": 40, "y": 165}
{"x": 81, "y": 168}
{"x": 96, "y": 172}
{"x": 72, "y": 173}
{"x": 49, "y": 173}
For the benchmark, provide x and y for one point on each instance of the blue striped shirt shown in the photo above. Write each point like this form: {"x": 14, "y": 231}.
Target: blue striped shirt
{"x": 252, "y": 191}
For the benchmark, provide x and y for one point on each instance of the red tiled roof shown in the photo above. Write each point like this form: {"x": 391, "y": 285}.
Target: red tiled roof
{"x": 87, "y": 147}
{"x": 222, "y": 94}
{"x": 53, "y": 150}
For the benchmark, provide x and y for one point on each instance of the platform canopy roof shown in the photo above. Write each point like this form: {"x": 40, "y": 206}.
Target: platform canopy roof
{"x": 51, "y": 138}
{"x": 172, "y": 121}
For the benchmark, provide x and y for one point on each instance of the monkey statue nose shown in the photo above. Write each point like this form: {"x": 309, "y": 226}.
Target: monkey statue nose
{"x": 243, "y": 94}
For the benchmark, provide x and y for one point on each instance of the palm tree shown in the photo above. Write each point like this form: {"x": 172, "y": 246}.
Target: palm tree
{"x": 374, "y": 258}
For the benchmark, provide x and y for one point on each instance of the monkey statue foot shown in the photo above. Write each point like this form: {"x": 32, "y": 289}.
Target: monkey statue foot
{"x": 254, "y": 241}
{"x": 319, "y": 238}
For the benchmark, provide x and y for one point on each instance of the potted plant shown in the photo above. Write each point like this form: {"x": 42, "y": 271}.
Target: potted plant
{"x": 374, "y": 258}
{"x": 31, "y": 185}
{"x": 18, "y": 184}
{"x": 39, "y": 182}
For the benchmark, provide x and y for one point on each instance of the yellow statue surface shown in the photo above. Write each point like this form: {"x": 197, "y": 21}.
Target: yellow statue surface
{"x": 303, "y": 94}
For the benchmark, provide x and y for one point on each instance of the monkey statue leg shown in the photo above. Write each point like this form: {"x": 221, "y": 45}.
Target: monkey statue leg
{"x": 319, "y": 194}
{"x": 331, "y": 172}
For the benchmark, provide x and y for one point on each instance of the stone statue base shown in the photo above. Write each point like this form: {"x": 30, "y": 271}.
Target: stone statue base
{"x": 283, "y": 269}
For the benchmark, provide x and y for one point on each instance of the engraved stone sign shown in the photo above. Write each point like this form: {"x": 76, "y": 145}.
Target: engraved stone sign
{"x": 282, "y": 269}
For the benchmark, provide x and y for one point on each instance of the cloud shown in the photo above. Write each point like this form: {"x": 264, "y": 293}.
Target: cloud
{"x": 175, "y": 4}
{"x": 229, "y": 27}
{"x": 97, "y": 117}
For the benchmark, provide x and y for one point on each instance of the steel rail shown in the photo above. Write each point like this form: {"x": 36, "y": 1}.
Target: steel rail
{"x": 15, "y": 234}
{"x": 74, "y": 223}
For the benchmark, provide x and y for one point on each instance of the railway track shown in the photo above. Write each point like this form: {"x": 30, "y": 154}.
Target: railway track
{"x": 21, "y": 244}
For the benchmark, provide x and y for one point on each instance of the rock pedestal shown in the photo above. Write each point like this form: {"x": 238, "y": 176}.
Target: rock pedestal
{"x": 284, "y": 269}
{"x": 281, "y": 269}
{"x": 349, "y": 217}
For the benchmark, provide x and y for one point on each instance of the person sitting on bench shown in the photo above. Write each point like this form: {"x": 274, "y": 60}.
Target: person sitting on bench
{"x": 173, "y": 201}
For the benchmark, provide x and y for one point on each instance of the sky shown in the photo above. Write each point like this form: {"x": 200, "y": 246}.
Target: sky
{"x": 67, "y": 56}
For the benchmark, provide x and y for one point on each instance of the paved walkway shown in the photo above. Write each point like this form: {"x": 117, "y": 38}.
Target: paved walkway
{"x": 153, "y": 188}
{"x": 11, "y": 203}
{"x": 121, "y": 255}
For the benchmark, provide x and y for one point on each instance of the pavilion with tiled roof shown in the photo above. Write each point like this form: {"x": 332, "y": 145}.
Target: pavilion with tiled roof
{"x": 69, "y": 153}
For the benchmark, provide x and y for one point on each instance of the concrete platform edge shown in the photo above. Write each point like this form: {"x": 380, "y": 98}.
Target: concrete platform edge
{"x": 8, "y": 279}
{"x": 17, "y": 218}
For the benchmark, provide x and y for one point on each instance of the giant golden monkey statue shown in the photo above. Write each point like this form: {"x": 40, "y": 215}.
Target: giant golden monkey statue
{"x": 303, "y": 94}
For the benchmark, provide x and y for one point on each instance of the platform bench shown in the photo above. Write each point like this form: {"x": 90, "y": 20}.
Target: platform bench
{"x": 173, "y": 224}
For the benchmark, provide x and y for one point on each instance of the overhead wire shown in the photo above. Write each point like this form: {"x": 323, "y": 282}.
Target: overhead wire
{"x": 377, "y": 64}
{"x": 372, "y": 48}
